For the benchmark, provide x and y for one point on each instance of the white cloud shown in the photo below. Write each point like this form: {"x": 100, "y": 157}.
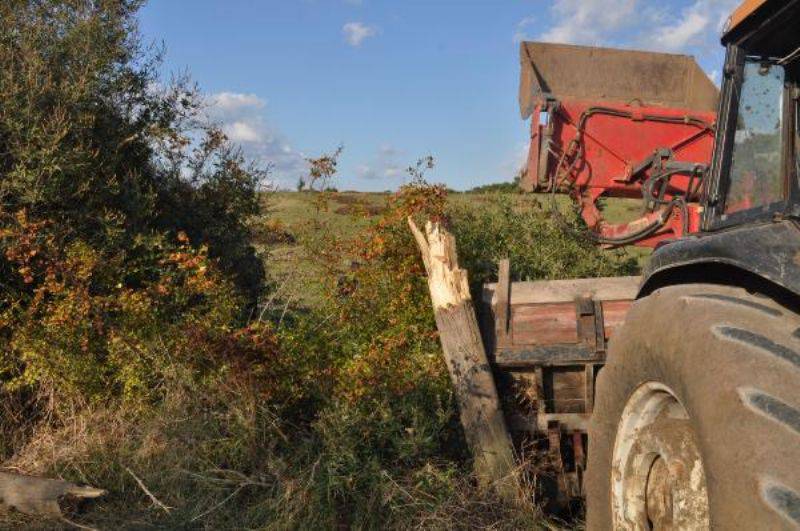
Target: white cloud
{"x": 702, "y": 22}
{"x": 588, "y": 21}
{"x": 384, "y": 165}
{"x": 356, "y": 32}
{"x": 364, "y": 171}
{"x": 242, "y": 118}
{"x": 231, "y": 101}
{"x": 520, "y": 34}
{"x": 646, "y": 24}
{"x": 653, "y": 25}
{"x": 693, "y": 25}
{"x": 241, "y": 132}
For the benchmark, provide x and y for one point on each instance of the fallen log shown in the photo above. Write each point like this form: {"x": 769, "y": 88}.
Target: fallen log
{"x": 40, "y": 496}
{"x": 478, "y": 401}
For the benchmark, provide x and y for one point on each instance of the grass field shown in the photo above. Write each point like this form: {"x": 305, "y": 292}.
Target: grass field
{"x": 304, "y": 215}
{"x": 301, "y": 216}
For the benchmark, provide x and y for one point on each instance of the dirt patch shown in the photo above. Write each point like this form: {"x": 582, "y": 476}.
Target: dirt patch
{"x": 360, "y": 208}
{"x": 349, "y": 199}
{"x": 273, "y": 233}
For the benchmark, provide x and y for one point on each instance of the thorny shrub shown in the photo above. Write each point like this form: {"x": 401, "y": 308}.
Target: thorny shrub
{"x": 97, "y": 326}
{"x": 124, "y": 215}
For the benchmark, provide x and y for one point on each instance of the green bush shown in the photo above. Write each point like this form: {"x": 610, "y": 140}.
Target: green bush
{"x": 538, "y": 245}
{"x": 91, "y": 139}
{"x": 116, "y": 199}
{"x": 387, "y": 442}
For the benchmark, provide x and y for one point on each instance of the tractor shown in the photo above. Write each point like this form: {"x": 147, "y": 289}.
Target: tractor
{"x": 670, "y": 400}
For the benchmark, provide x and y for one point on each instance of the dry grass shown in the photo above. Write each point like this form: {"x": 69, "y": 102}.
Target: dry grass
{"x": 161, "y": 474}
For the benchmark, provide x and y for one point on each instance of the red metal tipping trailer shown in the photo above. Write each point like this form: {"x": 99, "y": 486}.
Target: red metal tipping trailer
{"x": 617, "y": 123}
{"x": 604, "y": 123}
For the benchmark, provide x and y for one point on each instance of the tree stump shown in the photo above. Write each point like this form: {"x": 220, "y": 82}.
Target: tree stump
{"x": 476, "y": 394}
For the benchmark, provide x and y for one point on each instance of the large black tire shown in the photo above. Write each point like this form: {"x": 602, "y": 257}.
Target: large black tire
{"x": 732, "y": 361}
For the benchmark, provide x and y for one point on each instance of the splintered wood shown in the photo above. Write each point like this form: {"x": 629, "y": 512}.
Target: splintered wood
{"x": 40, "y": 496}
{"x": 465, "y": 356}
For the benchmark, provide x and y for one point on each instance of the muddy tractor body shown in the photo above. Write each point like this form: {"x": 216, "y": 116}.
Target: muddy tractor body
{"x": 716, "y": 171}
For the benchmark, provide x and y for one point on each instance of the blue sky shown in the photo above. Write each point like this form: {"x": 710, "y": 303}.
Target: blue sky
{"x": 396, "y": 80}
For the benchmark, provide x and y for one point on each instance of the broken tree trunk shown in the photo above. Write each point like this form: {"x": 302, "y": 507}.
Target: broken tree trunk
{"x": 464, "y": 353}
{"x": 40, "y": 496}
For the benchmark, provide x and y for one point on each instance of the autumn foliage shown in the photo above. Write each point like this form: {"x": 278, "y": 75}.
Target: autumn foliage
{"x": 139, "y": 329}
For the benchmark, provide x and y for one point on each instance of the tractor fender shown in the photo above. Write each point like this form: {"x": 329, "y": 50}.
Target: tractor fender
{"x": 761, "y": 257}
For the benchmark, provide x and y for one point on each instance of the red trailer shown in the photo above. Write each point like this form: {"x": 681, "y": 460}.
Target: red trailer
{"x": 604, "y": 123}
{"x": 618, "y": 123}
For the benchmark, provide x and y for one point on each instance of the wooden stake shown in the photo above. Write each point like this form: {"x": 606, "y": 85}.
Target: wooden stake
{"x": 473, "y": 381}
{"x": 39, "y": 496}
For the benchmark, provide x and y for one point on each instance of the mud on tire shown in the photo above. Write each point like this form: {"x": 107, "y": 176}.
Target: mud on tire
{"x": 723, "y": 366}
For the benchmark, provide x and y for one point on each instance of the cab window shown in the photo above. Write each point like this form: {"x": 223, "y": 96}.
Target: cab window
{"x": 756, "y": 171}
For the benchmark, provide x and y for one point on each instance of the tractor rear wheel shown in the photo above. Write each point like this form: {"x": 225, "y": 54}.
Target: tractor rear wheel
{"x": 697, "y": 415}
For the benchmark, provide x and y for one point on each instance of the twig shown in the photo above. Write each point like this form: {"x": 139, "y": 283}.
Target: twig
{"x": 150, "y": 495}
{"x": 268, "y": 305}
{"x": 220, "y": 504}
{"x": 285, "y": 308}
{"x": 76, "y": 524}
{"x": 242, "y": 480}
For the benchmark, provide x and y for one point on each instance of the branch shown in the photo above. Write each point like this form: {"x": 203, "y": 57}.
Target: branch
{"x": 422, "y": 243}
{"x": 150, "y": 495}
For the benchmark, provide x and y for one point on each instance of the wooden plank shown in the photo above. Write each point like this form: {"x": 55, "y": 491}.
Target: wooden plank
{"x": 550, "y": 355}
{"x": 568, "y": 421}
{"x": 544, "y": 324}
{"x": 586, "y": 321}
{"x": 559, "y": 291}
{"x": 502, "y": 308}
{"x": 589, "y": 386}
{"x": 565, "y": 388}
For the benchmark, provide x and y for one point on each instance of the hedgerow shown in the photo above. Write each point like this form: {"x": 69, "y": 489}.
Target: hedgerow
{"x": 123, "y": 216}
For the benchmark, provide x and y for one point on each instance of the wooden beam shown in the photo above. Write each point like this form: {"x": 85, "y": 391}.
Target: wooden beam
{"x": 40, "y": 496}
{"x": 502, "y": 307}
{"x": 555, "y": 291}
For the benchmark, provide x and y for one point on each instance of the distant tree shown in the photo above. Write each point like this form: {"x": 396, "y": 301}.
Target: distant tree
{"x": 503, "y": 187}
{"x": 322, "y": 169}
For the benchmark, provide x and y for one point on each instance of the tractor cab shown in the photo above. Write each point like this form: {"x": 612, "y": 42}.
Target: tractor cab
{"x": 755, "y": 167}
{"x": 751, "y": 193}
